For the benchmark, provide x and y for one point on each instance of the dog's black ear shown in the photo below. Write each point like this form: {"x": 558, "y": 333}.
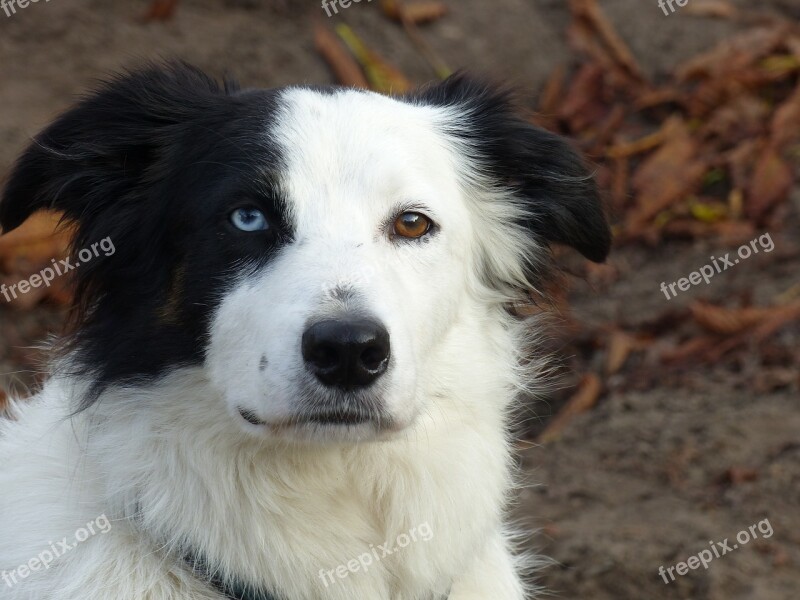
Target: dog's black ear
{"x": 104, "y": 149}
{"x": 562, "y": 201}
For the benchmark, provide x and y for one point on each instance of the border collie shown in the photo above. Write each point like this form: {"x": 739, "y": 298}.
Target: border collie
{"x": 293, "y": 380}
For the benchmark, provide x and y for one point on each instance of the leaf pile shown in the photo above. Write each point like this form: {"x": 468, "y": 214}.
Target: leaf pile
{"x": 709, "y": 153}
{"x": 706, "y": 153}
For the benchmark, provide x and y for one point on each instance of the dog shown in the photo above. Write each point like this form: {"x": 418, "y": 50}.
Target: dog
{"x": 295, "y": 378}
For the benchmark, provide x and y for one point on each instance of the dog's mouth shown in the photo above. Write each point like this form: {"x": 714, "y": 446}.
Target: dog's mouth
{"x": 338, "y": 418}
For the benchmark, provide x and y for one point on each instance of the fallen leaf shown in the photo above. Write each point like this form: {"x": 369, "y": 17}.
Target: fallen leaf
{"x": 771, "y": 184}
{"x": 620, "y": 346}
{"x": 582, "y": 105}
{"x": 19, "y": 301}
{"x": 34, "y": 244}
{"x": 597, "y": 140}
{"x": 741, "y": 161}
{"x": 649, "y": 142}
{"x": 553, "y": 92}
{"x": 382, "y": 76}
{"x": 785, "y": 126}
{"x": 739, "y": 475}
{"x": 743, "y": 117}
{"x": 688, "y": 350}
{"x": 160, "y": 10}
{"x": 410, "y": 15}
{"x": 712, "y": 8}
{"x": 40, "y": 226}
{"x": 733, "y": 54}
{"x": 414, "y": 12}
{"x": 728, "y": 321}
{"x": 709, "y": 211}
{"x": 619, "y": 184}
{"x": 590, "y": 11}
{"x": 670, "y": 174}
{"x": 345, "y": 68}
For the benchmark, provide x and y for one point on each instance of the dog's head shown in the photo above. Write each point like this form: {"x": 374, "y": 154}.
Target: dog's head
{"x": 307, "y": 247}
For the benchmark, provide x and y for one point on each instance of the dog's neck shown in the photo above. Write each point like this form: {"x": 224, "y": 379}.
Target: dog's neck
{"x": 232, "y": 589}
{"x": 228, "y": 587}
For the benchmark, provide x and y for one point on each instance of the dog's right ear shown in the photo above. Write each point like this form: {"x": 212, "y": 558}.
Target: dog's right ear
{"x": 106, "y": 149}
{"x": 545, "y": 174}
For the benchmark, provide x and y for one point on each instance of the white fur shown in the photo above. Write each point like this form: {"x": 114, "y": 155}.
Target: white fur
{"x": 172, "y": 464}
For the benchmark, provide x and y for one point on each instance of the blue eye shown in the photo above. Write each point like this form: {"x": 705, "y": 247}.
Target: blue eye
{"x": 249, "y": 220}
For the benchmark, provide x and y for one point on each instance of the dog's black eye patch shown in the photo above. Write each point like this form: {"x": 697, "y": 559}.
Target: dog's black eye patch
{"x": 156, "y": 160}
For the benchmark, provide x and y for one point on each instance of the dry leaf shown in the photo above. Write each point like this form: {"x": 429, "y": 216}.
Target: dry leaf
{"x": 553, "y": 92}
{"x": 785, "y": 126}
{"x": 771, "y": 184}
{"x": 670, "y": 128}
{"x": 620, "y": 346}
{"x": 34, "y": 243}
{"x": 591, "y": 13}
{"x": 40, "y": 226}
{"x": 382, "y": 76}
{"x": 417, "y": 13}
{"x": 688, "y": 350}
{"x": 743, "y": 117}
{"x": 18, "y": 300}
{"x": 671, "y": 174}
{"x": 619, "y": 183}
{"x": 712, "y": 8}
{"x": 161, "y": 10}
{"x": 728, "y": 321}
{"x": 345, "y": 68}
{"x": 739, "y": 475}
{"x": 582, "y": 106}
{"x": 733, "y": 54}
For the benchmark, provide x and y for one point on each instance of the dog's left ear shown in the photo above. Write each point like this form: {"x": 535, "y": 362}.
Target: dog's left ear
{"x": 101, "y": 156}
{"x": 562, "y": 203}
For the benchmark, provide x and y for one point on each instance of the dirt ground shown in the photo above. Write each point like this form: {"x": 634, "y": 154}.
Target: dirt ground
{"x": 671, "y": 458}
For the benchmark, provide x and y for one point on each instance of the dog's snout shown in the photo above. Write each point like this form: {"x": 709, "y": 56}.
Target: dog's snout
{"x": 346, "y": 353}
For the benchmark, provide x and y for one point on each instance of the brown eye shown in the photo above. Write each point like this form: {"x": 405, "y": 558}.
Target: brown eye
{"x": 412, "y": 225}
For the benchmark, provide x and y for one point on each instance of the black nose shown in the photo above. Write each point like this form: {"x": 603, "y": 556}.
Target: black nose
{"x": 347, "y": 354}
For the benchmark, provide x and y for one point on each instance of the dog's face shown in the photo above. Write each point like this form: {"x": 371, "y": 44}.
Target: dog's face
{"x": 329, "y": 335}
{"x": 309, "y": 248}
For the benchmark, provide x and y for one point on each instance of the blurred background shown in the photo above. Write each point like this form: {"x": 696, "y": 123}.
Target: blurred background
{"x": 678, "y": 418}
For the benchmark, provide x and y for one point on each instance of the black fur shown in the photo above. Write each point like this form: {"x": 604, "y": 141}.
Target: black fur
{"x": 156, "y": 160}
{"x": 563, "y": 202}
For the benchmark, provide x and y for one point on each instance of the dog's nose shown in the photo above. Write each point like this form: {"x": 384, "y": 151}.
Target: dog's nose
{"x": 348, "y": 354}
